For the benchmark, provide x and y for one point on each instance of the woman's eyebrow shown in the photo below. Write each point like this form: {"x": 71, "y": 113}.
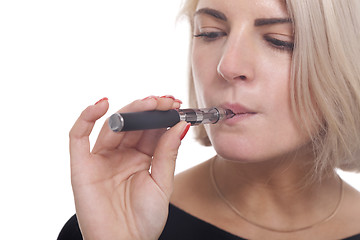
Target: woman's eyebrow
{"x": 258, "y": 22}
{"x": 267, "y": 21}
{"x": 212, "y": 12}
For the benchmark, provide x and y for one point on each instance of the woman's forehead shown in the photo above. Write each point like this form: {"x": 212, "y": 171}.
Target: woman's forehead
{"x": 270, "y": 6}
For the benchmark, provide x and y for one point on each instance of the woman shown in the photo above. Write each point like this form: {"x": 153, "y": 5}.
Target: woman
{"x": 289, "y": 70}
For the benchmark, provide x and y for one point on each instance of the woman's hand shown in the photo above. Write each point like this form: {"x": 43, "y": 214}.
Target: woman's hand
{"x": 116, "y": 197}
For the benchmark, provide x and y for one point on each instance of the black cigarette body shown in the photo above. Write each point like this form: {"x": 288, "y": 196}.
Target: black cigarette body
{"x": 120, "y": 122}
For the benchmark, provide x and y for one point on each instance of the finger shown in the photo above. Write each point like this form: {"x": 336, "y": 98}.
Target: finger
{"x": 167, "y": 102}
{"x": 109, "y": 140}
{"x": 80, "y": 132}
{"x": 149, "y": 141}
{"x": 163, "y": 165}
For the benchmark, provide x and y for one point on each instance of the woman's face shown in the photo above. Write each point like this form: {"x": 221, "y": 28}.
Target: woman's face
{"x": 241, "y": 60}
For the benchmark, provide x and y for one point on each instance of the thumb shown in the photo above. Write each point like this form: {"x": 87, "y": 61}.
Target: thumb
{"x": 163, "y": 163}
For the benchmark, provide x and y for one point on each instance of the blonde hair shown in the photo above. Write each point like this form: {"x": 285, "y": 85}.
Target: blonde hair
{"x": 325, "y": 79}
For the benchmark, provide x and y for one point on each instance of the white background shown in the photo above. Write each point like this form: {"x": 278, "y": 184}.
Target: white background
{"x": 56, "y": 58}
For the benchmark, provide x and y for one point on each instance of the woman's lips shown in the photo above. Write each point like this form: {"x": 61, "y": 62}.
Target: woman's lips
{"x": 238, "y": 109}
{"x": 241, "y": 112}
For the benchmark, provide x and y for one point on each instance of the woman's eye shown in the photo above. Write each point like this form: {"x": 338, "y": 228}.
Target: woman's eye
{"x": 210, "y": 36}
{"x": 279, "y": 44}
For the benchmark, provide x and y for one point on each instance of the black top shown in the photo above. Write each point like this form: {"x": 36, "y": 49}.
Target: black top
{"x": 179, "y": 226}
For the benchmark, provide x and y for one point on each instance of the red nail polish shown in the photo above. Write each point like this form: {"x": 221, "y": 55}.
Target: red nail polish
{"x": 185, "y": 131}
{"x": 168, "y": 96}
{"x": 103, "y": 99}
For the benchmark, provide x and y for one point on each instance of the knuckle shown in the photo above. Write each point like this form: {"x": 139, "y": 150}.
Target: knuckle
{"x": 174, "y": 155}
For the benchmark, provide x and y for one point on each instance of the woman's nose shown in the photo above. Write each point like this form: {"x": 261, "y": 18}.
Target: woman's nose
{"x": 237, "y": 60}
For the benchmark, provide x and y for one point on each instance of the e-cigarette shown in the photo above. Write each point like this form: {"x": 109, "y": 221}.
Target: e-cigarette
{"x": 120, "y": 122}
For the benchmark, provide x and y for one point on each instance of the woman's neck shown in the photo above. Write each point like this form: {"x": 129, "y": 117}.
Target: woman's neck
{"x": 278, "y": 192}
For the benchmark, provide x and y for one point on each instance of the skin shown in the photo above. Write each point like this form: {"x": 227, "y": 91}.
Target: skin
{"x": 116, "y": 197}
{"x": 218, "y": 64}
{"x": 262, "y": 158}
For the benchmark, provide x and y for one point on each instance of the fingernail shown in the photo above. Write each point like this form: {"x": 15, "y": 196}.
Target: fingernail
{"x": 178, "y": 101}
{"x": 149, "y": 97}
{"x": 168, "y": 96}
{"x": 103, "y": 99}
{"x": 185, "y": 131}
{"x": 176, "y": 105}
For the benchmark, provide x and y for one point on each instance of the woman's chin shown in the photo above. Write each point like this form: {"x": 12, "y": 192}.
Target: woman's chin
{"x": 235, "y": 153}
{"x": 232, "y": 147}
